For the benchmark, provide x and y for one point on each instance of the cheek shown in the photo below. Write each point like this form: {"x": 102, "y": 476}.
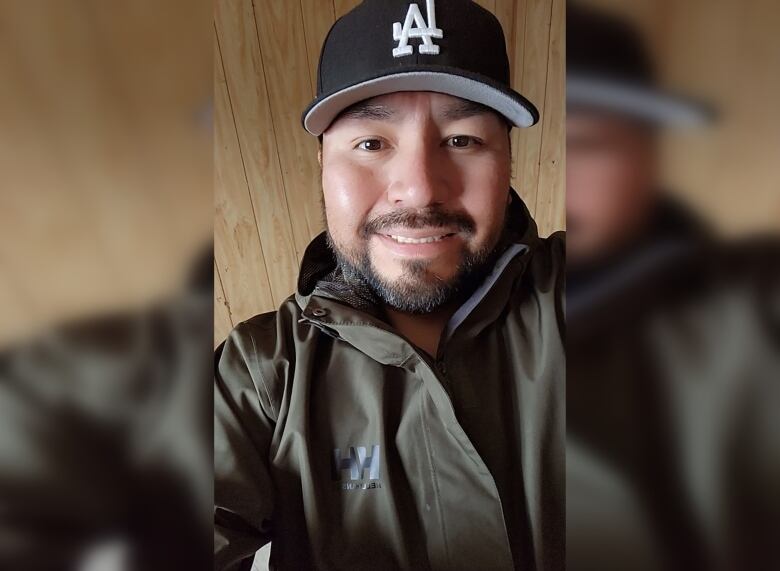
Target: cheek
{"x": 485, "y": 196}
{"x": 349, "y": 193}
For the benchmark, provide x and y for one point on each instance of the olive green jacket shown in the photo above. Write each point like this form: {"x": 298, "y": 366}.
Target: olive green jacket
{"x": 346, "y": 447}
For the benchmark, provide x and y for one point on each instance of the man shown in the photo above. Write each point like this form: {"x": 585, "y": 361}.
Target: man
{"x": 403, "y": 409}
{"x": 671, "y": 380}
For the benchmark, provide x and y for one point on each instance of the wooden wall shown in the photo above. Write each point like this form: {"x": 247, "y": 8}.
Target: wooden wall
{"x": 267, "y": 187}
{"x": 105, "y": 159}
{"x": 725, "y": 52}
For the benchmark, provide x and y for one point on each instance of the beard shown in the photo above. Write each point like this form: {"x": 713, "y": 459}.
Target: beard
{"x": 418, "y": 290}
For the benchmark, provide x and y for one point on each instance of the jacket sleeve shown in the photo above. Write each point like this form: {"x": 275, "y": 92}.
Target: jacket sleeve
{"x": 243, "y": 428}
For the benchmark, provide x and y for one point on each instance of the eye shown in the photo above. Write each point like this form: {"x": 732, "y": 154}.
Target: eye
{"x": 371, "y": 145}
{"x": 462, "y": 141}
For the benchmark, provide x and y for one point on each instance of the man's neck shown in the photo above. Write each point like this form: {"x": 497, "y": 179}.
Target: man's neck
{"x": 424, "y": 330}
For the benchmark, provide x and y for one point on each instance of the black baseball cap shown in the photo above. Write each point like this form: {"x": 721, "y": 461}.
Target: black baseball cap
{"x": 454, "y": 47}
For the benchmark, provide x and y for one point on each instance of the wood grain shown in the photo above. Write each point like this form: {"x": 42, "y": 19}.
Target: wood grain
{"x": 222, "y": 322}
{"x": 318, "y": 17}
{"x": 533, "y": 85}
{"x": 238, "y": 253}
{"x": 505, "y": 12}
{"x": 280, "y": 29}
{"x": 248, "y": 96}
{"x": 550, "y": 211}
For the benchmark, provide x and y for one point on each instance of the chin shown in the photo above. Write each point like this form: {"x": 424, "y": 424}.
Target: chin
{"x": 418, "y": 271}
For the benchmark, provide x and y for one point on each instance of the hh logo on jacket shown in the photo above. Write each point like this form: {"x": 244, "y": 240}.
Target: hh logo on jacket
{"x": 349, "y": 470}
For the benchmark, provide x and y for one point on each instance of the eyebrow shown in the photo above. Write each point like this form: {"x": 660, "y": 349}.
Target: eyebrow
{"x": 463, "y": 110}
{"x": 377, "y": 112}
{"x": 367, "y": 110}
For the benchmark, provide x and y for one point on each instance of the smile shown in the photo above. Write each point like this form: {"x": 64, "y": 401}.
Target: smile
{"x": 424, "y": 240}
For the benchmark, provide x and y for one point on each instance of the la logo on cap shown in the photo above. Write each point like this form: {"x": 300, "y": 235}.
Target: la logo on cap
{"x": 423, "y": 30}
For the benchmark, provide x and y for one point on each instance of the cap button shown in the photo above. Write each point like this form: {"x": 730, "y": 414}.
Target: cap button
{"x": 319, "y": 312}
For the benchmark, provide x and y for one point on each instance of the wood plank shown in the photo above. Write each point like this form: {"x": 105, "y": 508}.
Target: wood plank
{"x": 533, "y": 86}
{"x": 245, "y": 80}
{"x": 518, "y": 46}
{"x": 341, "y": 7}
{"x": 551, "y": 183}
{"x": 237, "y": 249}
{"x": 285, "y": 59}
{"x": 318, "y": 17}
{"x": 505, "y": 12}
{"x": 222, "y": 322}
{"x": 516, "y": 53}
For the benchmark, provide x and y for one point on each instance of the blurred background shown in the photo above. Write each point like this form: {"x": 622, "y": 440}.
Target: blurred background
{"x": 673, "y": 285}
{"x": 267, "y": 191}
{"x": 105, "y": 335}
{"x": 107, "y": 275}
{"x": 106, "y": 155}
{"x": 726, "y": 54}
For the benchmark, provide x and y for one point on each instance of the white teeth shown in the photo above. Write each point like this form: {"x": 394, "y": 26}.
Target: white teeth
{"x": 429, "y": 240}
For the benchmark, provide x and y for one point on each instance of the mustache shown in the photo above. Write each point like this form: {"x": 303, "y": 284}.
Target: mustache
{"x": 426, "y": 218}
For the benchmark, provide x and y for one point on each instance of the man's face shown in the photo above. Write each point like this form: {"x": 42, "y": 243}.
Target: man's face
{"x": 610, "y": 182}
{"x": 416, "y": 186}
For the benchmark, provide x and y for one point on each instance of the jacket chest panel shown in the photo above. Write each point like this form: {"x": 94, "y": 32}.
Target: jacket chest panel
{"x": 376, "y": 465}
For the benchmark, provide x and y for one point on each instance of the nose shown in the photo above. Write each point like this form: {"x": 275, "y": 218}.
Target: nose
{"x": 419, "y": 177}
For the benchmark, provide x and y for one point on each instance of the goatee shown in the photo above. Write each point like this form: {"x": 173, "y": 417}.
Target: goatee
{"x": 419, "y": 290}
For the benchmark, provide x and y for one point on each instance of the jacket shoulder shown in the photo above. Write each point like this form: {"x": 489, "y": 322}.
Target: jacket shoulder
{"x": 258, "y": 353}
{"x": 546, "y": 273}
{"x": 555, "y": 243}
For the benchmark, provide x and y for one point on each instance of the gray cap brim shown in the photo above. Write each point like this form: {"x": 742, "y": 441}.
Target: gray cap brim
{"x": 318, "y": 117}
